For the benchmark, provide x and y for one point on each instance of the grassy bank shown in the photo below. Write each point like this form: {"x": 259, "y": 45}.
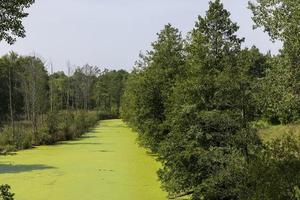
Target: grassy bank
{"x": 273, "y": 132}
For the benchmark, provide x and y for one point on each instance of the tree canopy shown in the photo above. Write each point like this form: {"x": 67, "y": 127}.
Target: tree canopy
{"x": 11, "y": 14}
{"x": 195, "y": 102}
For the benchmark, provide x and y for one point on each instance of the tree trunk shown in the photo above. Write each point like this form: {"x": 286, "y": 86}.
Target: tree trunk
{"x": 11, "y": 101}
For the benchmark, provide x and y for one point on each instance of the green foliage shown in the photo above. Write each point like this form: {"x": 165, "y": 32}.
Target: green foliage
{"x": 68, "y": 125}
{"x": 150, "y": 85}
{"x": 5, "y": 193}
{"x": 108, "y": 91}
{"x": 273, "y": 171}
{"x": 57, "y": 126}
{"x": 274, "y": 93}
{"x": 203, "y": 121}
{"x": 280, "y": 19}
{"x": 21, "y": 139}
{"x": 209, "y": 124}
{"x": 36, "y": 108}
{"x": 11, "y": 15}
{"x": 218, "y": 30}
{"x": 10, "y": 71}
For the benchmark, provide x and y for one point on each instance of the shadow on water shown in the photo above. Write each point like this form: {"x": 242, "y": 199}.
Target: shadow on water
{"x": 8, "y": 154}
{"x": 82, "y": 138}
{"x": 104, "y": 151}
{"x": 10, "y": 168}
{"x": 79, "y": 143}
{"x": 87, "y": 137}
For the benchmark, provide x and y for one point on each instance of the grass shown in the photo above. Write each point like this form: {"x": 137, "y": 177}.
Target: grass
{"x": 106, "y": 164}
{"x": 278, "y": 131}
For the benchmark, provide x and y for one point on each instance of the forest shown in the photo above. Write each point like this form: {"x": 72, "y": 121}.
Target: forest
{"x": 41, "y": 108}
{"x": 199, "y": 103}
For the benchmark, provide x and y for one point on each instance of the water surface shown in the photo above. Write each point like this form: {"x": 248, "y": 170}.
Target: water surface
{"x": 106, "y": 164}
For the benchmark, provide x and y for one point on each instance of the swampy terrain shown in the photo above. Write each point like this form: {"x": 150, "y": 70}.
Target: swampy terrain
{"x": 105, "y": 164}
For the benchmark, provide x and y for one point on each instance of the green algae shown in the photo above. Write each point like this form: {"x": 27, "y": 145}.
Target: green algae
{"x": 106, "y": 164}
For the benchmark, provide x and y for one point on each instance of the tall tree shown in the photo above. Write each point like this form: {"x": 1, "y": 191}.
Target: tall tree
{"x": 34, "y": 79}
{"x": 280, "y": 19}
{"x": 163, "y": 65}
{"x": 208, "y": 116}
{"x": 9, "y": 63}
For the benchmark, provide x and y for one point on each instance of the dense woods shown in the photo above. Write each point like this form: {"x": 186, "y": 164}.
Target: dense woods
{"x": 199, "y": 101}
{"x": 38, "y": 108}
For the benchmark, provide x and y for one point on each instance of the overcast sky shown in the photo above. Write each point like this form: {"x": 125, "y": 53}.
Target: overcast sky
{"x": 111, "y": 33}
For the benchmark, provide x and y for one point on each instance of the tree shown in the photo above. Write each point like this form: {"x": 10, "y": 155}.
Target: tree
{"x": 82, "y": 82}
{"x": 274, "y": 93}
{"x": 280, "y": 19}
{"x": 159, "y": 70}
{"x": 109, "y": 89}
{"x": 10, "y": 61}
{"x": 35, "y": 88}
{"x": 58, "y": 83}
{"x": 209, "y": 113}
{"x": 11, "y": 15}
{"x": 89, "y": 78}
{"x": 11, "y": 103}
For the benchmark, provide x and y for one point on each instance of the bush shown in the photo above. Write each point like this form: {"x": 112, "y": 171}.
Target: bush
{"x": 57, "y": 126}
{"x": 91, "y": 119}
{"x": 273, "y": 172}
{"x": 5, "y": 193}
{"x": 65, "y": 126}
{"x": 52, "y": 123}
{"x": 21, "y": 139}
{"x": 6, "y": 143}
{"x": 24, "y": 138}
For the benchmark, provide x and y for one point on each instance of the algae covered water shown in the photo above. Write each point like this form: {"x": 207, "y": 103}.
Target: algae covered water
{"x": 106, "y": 164}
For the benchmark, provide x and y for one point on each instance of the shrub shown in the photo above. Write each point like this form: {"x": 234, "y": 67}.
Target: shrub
{"x": 5, "y": 193}
{"x": 273, "y": 171}
{"x": 21, "y": 139}
{"x": 57, "y": 126}
{"x": 65, "y": 130}
{"x": 24, "y": 138}
{"x": 6, "y": 142}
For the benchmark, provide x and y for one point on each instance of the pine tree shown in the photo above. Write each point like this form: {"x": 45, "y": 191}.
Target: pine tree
{"x": 209, "y": 129}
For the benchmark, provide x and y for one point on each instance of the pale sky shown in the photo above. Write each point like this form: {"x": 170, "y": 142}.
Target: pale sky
{"x": 111, "y": 33}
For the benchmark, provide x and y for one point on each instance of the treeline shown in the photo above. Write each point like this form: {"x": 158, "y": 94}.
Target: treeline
{"x": 198, "y": 102}
{"x": 41, "y": 108}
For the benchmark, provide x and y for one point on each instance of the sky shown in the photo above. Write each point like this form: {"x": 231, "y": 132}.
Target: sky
{"x": 111, "y": 33}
